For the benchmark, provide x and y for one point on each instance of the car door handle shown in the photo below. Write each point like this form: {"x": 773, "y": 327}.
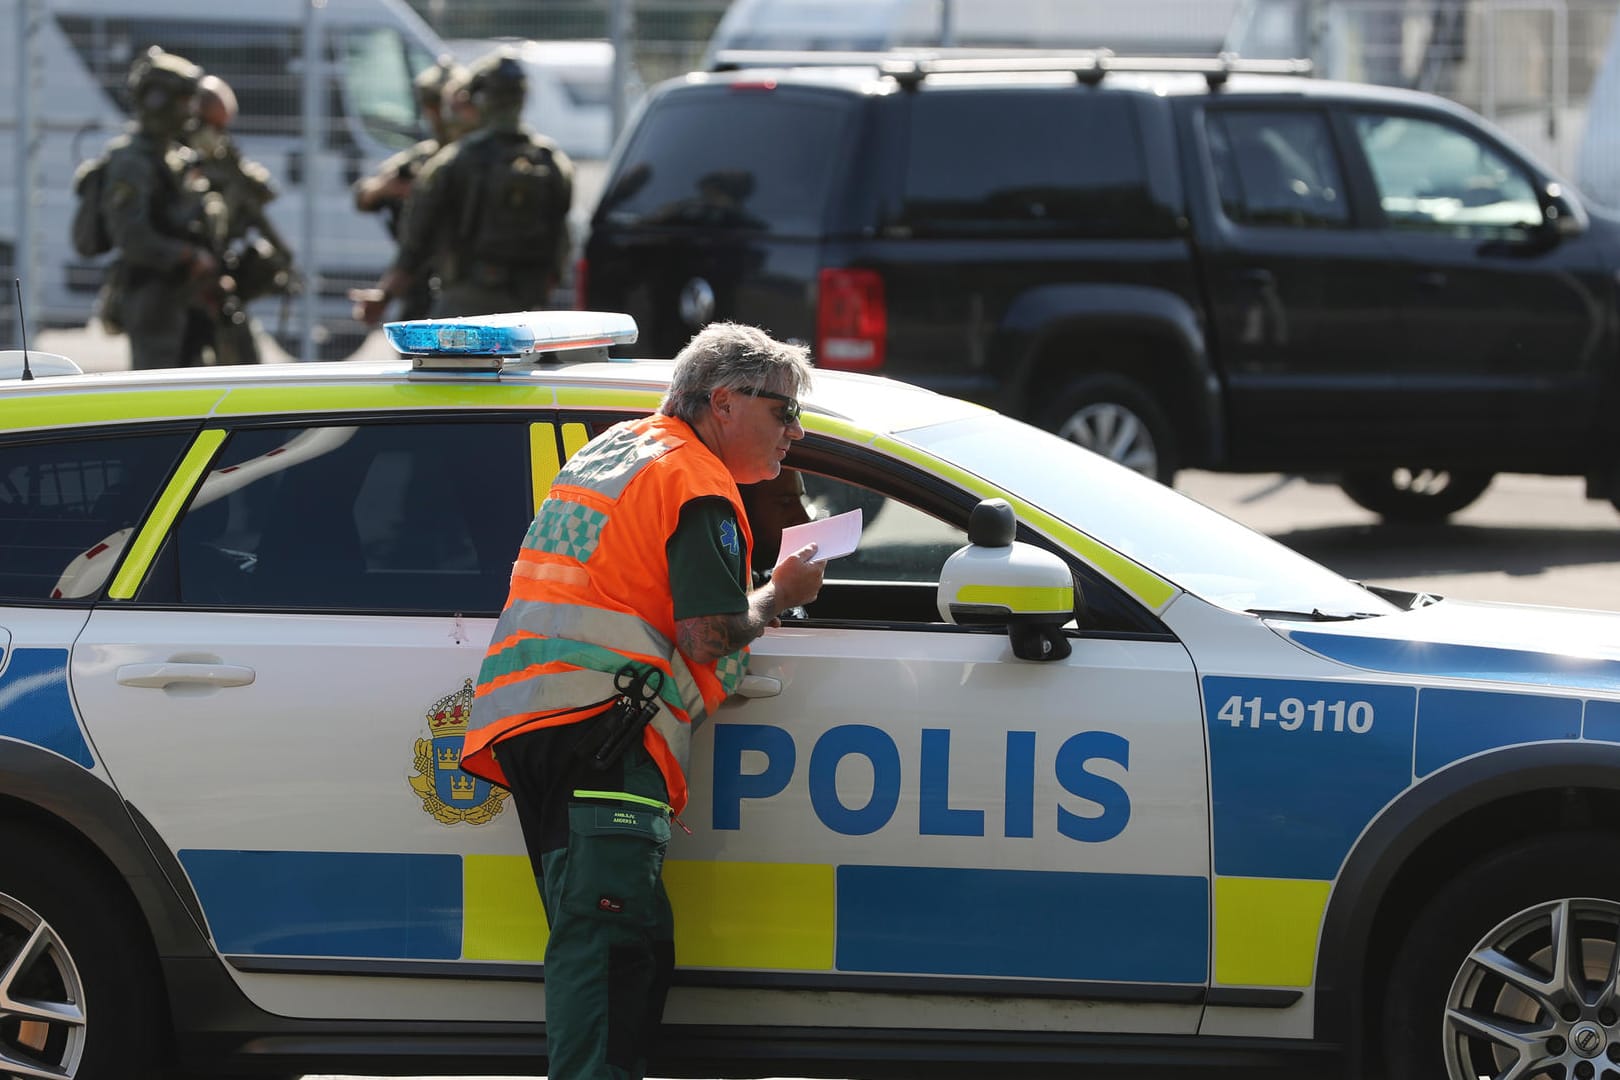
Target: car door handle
{"x": 1431, "y": 279}
{"x": 158, "y": 676}
{"x": 1259, "y": 277}
{"x": 759, "y": 686}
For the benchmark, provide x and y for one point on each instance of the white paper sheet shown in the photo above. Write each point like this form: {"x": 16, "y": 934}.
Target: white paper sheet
{"x": 834, "y": 536}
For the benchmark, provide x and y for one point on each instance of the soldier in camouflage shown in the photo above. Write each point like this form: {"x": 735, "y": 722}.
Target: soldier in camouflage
{"x": 385, "y": 191}
{"x": 490, "y": 211}
{"x": 157, "y": 217}
{"x": 257, "y": 260}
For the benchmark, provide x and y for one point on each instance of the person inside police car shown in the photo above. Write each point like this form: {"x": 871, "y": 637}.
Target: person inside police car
{"x": 628, "y": 623}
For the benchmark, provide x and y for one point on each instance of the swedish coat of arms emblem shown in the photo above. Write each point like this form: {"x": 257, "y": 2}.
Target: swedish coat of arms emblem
{"x": 447, "y": 793}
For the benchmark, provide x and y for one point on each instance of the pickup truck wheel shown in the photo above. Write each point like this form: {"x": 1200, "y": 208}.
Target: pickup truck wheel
{"x": 1511, "y": 969}
{"x": 76, "y": 999}
{"x": 1414, "y": 496}
{"x": 1118, "y": 418}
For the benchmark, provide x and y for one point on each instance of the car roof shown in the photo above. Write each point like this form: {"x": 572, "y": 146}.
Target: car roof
{"x": 853, "y": 403}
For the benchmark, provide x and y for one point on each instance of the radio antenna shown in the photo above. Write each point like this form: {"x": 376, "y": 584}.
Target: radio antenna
{"x": 27, "y": 374}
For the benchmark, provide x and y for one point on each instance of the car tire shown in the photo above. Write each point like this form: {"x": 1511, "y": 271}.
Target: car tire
{"x": 78, "y": 981}
{"x": 1519, "y": 902}
{"x": 1414, "y": 496}
{"x": 1117, "y": 417}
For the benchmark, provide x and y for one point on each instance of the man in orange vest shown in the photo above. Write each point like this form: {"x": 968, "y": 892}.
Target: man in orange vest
{"x": 628, "y": 622}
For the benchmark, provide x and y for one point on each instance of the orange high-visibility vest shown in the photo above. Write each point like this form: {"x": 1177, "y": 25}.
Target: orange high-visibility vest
{"x": 590, "y": 591}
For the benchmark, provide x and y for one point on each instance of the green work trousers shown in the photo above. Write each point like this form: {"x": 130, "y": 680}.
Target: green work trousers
{"x": 596, "y": 839}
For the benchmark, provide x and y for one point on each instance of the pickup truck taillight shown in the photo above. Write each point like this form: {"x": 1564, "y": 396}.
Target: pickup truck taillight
{"x": 581, "y": 277}
{"x": 852, "y": 320}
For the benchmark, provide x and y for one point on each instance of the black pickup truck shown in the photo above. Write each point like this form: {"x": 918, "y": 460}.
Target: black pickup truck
{"x": 1180, "y": 264}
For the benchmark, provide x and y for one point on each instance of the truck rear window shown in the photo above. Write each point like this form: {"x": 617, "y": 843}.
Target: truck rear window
{"x": 742, "y": 159}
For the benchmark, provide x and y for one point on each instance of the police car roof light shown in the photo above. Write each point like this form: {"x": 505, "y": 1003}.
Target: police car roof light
{"x": 485, "y": 342}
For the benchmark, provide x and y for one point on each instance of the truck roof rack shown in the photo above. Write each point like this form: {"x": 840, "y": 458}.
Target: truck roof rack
{"x": 909, "y": 67}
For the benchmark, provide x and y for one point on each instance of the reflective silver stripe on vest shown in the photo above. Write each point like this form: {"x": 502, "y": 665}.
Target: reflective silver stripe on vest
{"x": 609, "y": 462}
{"x": 572, "y": 690}
{"x": 557, "y": 692}
{"x": 614, "y": 630}
{"x": 677, "y": 736}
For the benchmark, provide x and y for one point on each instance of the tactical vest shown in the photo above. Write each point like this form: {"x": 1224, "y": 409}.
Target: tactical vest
{"x": 590, "y": 591}
{"x": 515, "y": 204}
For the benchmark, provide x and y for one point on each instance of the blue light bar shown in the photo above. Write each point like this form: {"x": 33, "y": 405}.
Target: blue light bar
{"x": 511, "y": 335}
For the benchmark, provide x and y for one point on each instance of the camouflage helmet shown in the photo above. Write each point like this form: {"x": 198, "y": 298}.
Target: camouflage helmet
{"x": 432, "y": 80}
{"x": 158, "y": 79}
{"x": 498, "y": 80}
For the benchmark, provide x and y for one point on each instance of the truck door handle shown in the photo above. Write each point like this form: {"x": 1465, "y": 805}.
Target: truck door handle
{"x": 171, "y": 673}
{"x": 759, "y": 686}
{"x": 1431, "y": 279}
{"x": 1259, "y": 277}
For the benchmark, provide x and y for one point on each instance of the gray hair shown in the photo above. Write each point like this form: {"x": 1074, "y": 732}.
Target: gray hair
{"x": 737, "y": 357}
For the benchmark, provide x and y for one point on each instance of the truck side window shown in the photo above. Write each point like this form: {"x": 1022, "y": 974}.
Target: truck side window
{"x": 1028, "y": 163}
{"x": 1277, "y": 167}
{"x": 1433, "y": 177}
{"x": 65, "y": 507}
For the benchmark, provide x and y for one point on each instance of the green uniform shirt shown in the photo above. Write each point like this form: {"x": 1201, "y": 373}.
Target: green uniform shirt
{"x": 708, "y": 560}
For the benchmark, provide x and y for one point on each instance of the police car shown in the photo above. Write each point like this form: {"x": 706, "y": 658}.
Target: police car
{"x": 1090, "y": 780}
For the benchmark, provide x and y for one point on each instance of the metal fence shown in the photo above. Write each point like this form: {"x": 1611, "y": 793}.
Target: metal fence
{"x": 324, "y": 87}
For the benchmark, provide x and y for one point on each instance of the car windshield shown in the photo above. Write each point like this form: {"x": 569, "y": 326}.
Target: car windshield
{"x": 1185, "y": 542}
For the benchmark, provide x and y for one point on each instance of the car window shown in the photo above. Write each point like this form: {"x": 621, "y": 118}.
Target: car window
{"x": 1277, "y": 167}
{"x": 898, "y": 541}
{"x": 1027, "y": 162}
{"x": 377, "y": 73}
{"x": 753, "y": 159}
{"x": 66, "y": 508}
{"x": 1433, "y": 177}
{"x": 381, "y": 517}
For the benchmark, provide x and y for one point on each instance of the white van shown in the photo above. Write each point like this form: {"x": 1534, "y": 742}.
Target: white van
{"x": 371, "y": 49}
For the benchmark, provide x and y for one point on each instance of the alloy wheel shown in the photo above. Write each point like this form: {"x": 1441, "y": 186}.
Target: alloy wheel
{"x": 42, "y": 1017}
{"x": 1537, "y": 997}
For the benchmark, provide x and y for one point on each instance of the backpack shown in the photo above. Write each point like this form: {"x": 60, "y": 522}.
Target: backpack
{"x": 517, "y": 204}
{"x": 89, "y": 230}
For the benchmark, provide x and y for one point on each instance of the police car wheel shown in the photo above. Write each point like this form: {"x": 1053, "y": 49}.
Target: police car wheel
{"x": 73, "y": 1000}
{"x": 1513, "y": 969}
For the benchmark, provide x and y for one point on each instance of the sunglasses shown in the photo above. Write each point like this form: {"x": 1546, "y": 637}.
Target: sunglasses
{"x": 791, "y": 409}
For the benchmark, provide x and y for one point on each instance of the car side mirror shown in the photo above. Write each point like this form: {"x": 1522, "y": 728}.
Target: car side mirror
{"x": 996, "y": 581}
{"x": 1562, "y": 215}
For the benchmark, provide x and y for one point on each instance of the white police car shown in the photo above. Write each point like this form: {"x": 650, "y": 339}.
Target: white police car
{"x": 1242, "y": 813}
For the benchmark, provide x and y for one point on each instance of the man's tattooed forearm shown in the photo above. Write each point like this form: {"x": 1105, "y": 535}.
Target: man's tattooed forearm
{"x": 709, "y": 637}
